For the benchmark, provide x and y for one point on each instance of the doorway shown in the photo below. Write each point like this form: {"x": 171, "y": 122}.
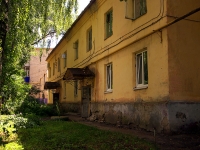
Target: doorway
{"x": 85, "y": 101}
{"x": 55, "y": 98}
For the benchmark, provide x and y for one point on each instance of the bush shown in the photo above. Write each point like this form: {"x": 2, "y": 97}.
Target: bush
{"x": 32, "y": 105}
{"x": 14, "y": 146}
{"x": 11, "y": 123}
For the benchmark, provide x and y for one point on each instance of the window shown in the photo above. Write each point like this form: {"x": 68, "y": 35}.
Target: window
{"x": 27, "y": 73}
{"x": 27, "y": 70}
{"x": 75, "y": 50}
{"x": 108, "y": 77}
{"x": 54, "y": 68}
{"x": 135, "y": 8}
{"x": 108, "y": 23}
{"x": 49, "y": 72}
{"x": 64, "y": 57}
{"x": 75, "y": 88}
{"x": 89, "y": 39}
{"x": 64, "y": 89}
{"x": 141, "y": 69}
{"x": 58, "y": 64}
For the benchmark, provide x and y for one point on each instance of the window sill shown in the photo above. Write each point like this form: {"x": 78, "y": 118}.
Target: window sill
{"x": 89, "y": 50}
{"x": 108, "y": 91}
{"x": 107, "y": 37}
{"x": 140, "y": 87}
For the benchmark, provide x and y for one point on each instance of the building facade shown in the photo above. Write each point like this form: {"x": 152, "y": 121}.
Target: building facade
{"x": 131, "y": 62}
{"x": 36, "y": 72}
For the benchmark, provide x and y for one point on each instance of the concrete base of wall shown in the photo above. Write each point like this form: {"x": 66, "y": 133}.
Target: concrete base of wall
{"x": 163, "y": 117}
{"x": 70, "y": 107}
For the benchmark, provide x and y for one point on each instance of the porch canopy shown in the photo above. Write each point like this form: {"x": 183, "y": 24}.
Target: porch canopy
{"x": 51, "y": 85}
{"x": 78, "y": 73}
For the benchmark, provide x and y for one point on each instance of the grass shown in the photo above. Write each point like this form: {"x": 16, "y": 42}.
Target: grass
{"x": 65, "y": 135}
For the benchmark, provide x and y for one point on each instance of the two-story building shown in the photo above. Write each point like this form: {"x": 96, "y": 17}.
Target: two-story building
{"x": 133, "y": 62}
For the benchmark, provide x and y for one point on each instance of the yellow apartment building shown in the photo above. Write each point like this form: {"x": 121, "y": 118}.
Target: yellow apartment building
{"x": 133, "y": 62}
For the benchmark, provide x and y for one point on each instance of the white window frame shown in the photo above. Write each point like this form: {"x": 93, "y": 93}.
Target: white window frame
{"x": 140, "y": 70}
{"x": 109, "y": 78}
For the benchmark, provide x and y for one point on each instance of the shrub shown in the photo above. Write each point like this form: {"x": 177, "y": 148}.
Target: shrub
{"x": 32, "y": 105}
{"x": 14, "y": 146}
{"x": 11, "y": 123}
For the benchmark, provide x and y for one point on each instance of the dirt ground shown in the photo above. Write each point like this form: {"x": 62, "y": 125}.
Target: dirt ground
{"x": 163, "y": 141}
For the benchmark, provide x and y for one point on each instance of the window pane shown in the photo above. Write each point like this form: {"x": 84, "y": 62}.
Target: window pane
{"x": 109, "y": 18}
{"x": 108, "y": 77}
{"x": 139, "y": 68}
{"x": 90, "y": 39}
{"x": 137, "y": 8}
{"x": 53, "y": 68}
{"x": 65, "y": 59}
{"x": 145, "y": 65}
{"x": 143, "y": 8}
{"x": 58, "y": 64}
{"x": 76, "y": 50}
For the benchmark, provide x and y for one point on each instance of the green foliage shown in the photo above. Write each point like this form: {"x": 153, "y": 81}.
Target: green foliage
{"x": 14, "y": 91}
{"x": 10, "y": 124}
{"x": 28, "y": 104}
{"x": 13, "y": 146}
{"x": 32, "y": 105}
{"x": 22, "y": 23}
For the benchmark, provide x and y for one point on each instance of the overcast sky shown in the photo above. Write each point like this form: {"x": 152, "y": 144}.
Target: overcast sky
{"x": 82, "y": 5}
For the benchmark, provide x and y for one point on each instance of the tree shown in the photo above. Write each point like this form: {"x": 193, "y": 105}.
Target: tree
{"x": 22, "y": 23}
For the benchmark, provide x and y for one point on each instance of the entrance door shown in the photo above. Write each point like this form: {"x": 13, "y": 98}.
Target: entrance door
{"x": 86, "y": 98}
{"x": 55, "y": 98}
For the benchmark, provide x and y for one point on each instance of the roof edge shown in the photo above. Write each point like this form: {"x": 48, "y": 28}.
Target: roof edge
{"x": 73, "y": 24}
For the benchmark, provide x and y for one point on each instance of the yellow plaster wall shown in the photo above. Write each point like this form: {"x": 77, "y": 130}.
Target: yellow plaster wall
{"x": 128, "y": 38}
{"x": 184, "y": 37}
{"x": 124, "y": 73}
